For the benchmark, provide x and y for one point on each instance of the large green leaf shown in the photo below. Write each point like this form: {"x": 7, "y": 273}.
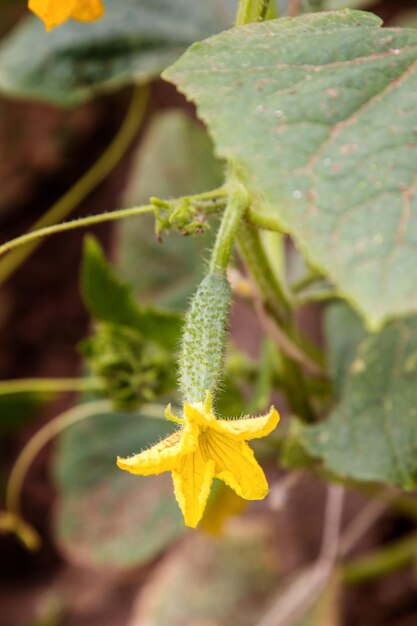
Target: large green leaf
{"x": 372, "y": 434}
{"x": 105, "y": 516}
{"x": 111, "y": 300}
{"x": 134, "y": 41}
{"x": 321, "y": 111}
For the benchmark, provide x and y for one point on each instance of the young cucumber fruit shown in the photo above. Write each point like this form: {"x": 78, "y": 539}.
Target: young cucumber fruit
{"x": 204, "y": 338}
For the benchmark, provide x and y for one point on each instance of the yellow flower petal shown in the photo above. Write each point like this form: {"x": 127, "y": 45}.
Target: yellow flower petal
{"x": 52, "y": 12}
{"x": 192, "y": 482}
{"x": 88, "y": 10}
{"x": 196, "y": 414}
{"x": 236, "y": 466}
{"x": 163, "y": 456}
{"x": 248, "y": 428}
{"x": 207, "y": 448}
{"x": 55, "y": 12}
{"x": 224, "y": 503}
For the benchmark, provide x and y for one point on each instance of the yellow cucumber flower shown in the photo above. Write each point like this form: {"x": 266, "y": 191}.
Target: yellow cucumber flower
{"x": 55, "y": 12}
{"x": 205, "y": 448}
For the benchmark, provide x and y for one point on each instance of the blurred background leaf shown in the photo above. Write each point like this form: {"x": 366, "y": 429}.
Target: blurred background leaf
{"x": 111, "y": 300}
{"x": 134, "y": 42}
{"x": 105, "y": 516}
{"x": 217, "y": 581}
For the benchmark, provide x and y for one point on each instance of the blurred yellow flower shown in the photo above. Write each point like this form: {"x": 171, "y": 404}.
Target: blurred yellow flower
{"x": 205, "y": 448}
{"x": 55, "y": 12}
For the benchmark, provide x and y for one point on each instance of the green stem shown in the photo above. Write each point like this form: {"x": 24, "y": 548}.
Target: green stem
{"x": 39, "y": 440}
{"x": 28, "y": 238}
{"x": 209, "y": 201}
{"x": 310, "y": 279}
{"x": 267, "y": 221}
{"x": 87, "y": 183}
{"x": 49, "y": 385}
{"x": 238, "y": 202}
{"x": 252, "y": 11}
{"x": 319, "y": 296}
{"x": 397, "y": 555}
{"x": 407, "y": 505}
{"x": 215, "y": 198}
{"x": 253, "y": 254}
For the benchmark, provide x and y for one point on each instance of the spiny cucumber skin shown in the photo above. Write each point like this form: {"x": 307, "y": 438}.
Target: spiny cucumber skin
{"x": 204, "y": 338}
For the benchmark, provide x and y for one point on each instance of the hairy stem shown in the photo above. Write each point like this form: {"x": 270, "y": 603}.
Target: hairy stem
{"x": 271, "y": 291}
{"x": 252, "y": 11}
{"x": 28, "y": 239}
{"x": 237, "y": 203}
{"x": 209, "y": 201}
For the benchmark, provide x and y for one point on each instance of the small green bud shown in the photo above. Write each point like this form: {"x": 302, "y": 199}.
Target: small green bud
{"x": 133, "y": 370}
{"x": 180, "y": 215}
{"x": 201, "y": 361}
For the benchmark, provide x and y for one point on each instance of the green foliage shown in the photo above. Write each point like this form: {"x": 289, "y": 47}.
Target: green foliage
{"x": 134, "y": 42}
{"x": 133, "y": 370}
{"x": 110, "y": 300}
{"x": 104, "y": 516}
{"x": 371, "y": 435}
{"x": 309, "y": 107}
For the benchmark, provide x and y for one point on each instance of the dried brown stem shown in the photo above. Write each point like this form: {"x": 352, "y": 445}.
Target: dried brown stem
{"x": 291, "y": 607}
{"x": 288, "y": 347}
{"x": 370, "y": 513}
